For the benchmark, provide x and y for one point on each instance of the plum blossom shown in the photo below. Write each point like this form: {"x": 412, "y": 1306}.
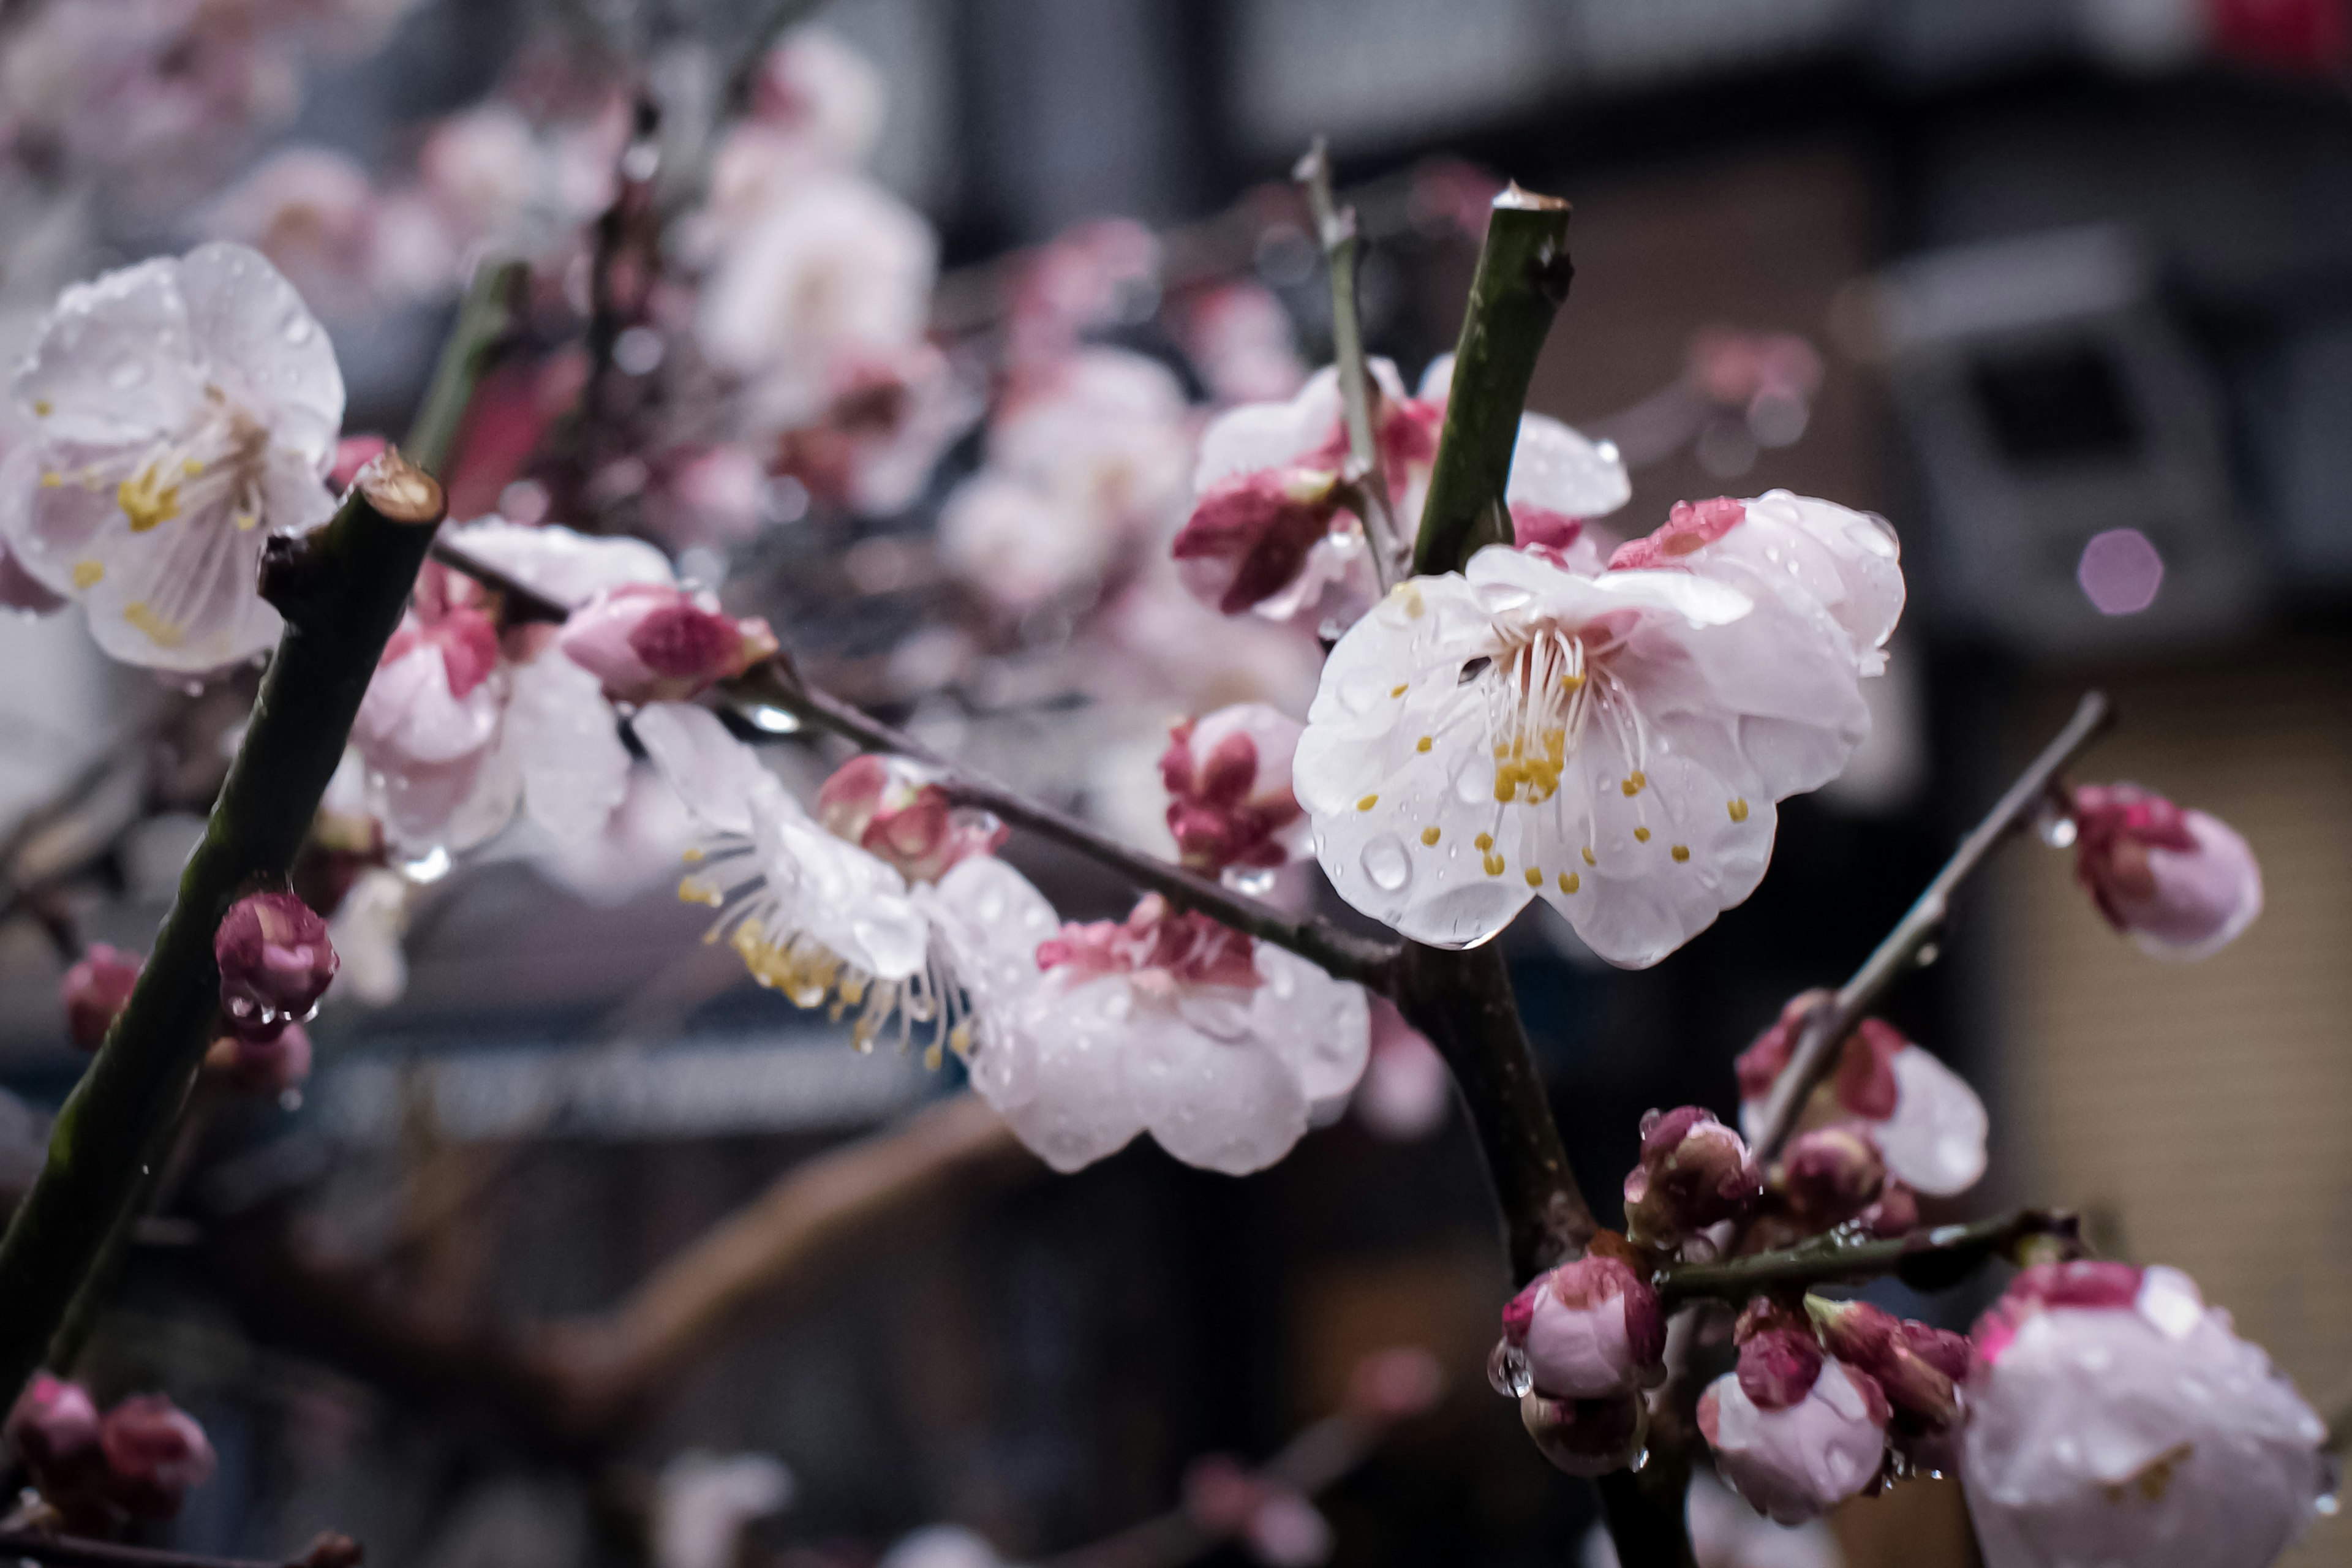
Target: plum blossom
{"x": 155, "y": 1454}
{"x": 2115, "y": 1417}
{"x": 886, "y": 417}
{"x": 1228, "y": 780}
{"x": 1591, "y": 1328}
{"x": 1406, "y": 1090}
{"x": 345, "y": 245}
{"x": 1794, "y": 1432}
{"x": 649, "y": 642}
{"x": 705, "y": 1500}
{"x": 491, "y": 176}
{"x": 1086, "y": 457}
{"x": 1219, "y": 1046}
{"x": 1919, "y": 1368}
{"x": 895, "y": 809}
{"x": 1925, "y": 1121}
{"x": 262, "y": 1067}
{"x": 184, "y": 411}
{"x": 1694, "y": 1173}
{"x": 826, "y": 921}
{"x": 465, "y": 719}
{"x": 1239, "y": 337}
{"x": 1270, "y": 529}
{"x": 95, "y": 989}
{"x": 1587, "y": 1436}
{"x": 1612, "y": 744}
{"x": 55, "y": 1424}
{"x": 2180, "y": 883}
{"x": 816, "y": 108}
{"x": 1727, "y": 1533}
{"x": 275, "y": 960}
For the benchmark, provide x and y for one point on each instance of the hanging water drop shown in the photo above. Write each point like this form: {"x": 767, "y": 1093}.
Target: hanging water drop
{"x": 1508, "y": 1371}
{"x": 1386, "y": 864}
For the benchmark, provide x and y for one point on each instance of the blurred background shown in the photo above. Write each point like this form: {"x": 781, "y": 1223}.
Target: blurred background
{"x": 2063, "y": 289}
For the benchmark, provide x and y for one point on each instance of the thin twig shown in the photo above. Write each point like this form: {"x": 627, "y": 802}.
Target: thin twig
{"x": 1926, "y": 1259}
{"x": 81, "y": 1552}
{"x": 1816, "y": 1053}
{"x": 1366, "y": 477}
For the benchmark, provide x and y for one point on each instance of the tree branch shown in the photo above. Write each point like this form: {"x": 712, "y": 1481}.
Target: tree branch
{"x": 1816, "y": 1052}
{"x": 1335, "y": 229}
{"x": 342, "y": 591}
{"x": 80, "y": 1551}
{"x": 1927, "y": 1260}
{"x": 1521, "y": 283}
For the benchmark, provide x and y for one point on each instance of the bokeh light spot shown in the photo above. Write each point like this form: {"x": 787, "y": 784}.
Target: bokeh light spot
{"x": 2120, "y": 571}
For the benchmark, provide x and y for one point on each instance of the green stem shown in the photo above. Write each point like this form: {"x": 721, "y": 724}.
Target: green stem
{"x": 342, "y": 591}
{"x": 1927, "y": 1260}
{"x": 1335, "y": 228}
{"x": 1522, "y": 280}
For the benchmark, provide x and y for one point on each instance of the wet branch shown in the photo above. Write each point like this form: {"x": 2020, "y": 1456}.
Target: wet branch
{"x": 1925, "y": 1259}
{"x": 1335, "y": 231}
{"x": 1826, "y": 1028}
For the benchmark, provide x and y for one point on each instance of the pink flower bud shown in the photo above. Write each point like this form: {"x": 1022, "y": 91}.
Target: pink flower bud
{"x": 2182, "y": 884}
{"x": 1228, "y": 777}
{"x": 1829, "y": 1175}
{"x": 1767, "y": 1056}
{"x": 155, "y": 1453}
{"x": 1690, "y": 526}
{"x": 1918, "y": 1367}
{"x": 54, "y": 1425}
{"x": 275, "y": 963}
{"x": 94, "y": 990}
{"x": 1695, "y": 1171}
{"x": 1896, "y": 1214}
{"x": 1778, "y": 1366}
{"x": 1181, "y": 945}
{"x": 894, "y": 809}
{"x": 466, "y": 636}
{"x": 1796, "y": 1462}
{"x": 2086, "y": 1282}
{"x": 1249, "y": 535}
{"x": 1587, "y": 1436}
{"x": 648, "y": 643}
{"x": 1406, "y": 1089}
{"x": 1589, "y": 1330}
{"x": 269, "y": 1066}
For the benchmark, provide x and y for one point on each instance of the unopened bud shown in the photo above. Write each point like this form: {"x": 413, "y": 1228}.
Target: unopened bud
{"x": 1778, "y": 1366}
{"x": 54, "y": 1425}
{"x": 1249, "y": 535}
{"x": 1228, "y": 781}
{"x": 895, "y": 809}
{"x": 1695, "y": 1171}
{"x": 1589, "y": 1330}
{"x": 1908, "y": 1360}
{"x": 275, "y": 960}
{"x": 1796, "y": 1462}
{"x": 1895, "y": 1214}
{"x": 2183, "y": 884}
{"x": 1829, "y": 1175}
{"x": 155, "y": 1453}
{"x": 1587, "y": 1436}
{"x": 650, "y": 643}
{"x": 94, "y": 990}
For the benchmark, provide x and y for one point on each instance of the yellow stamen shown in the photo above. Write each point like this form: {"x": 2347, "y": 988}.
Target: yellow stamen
{"x": 1428, "y": 836}
{"x": 1535, "y": 876}
{"x": 146, "y": 499}
{"x": 693, "y": 855}
{"x": 1588, "y": 856}
{"x": 1633, "y": 783}
{"x": 1682, "y": 851}
{"x": 1641, "y": 835}
{"x": 190, "y": 468}
{"x": 160, "y": 632}
{"x": 699, "y": 891}
{"x": 1399, "y": 690}
{"x": 1494, "y": 864}
{"x": 1423, "y": 745}
{"x": 86, "y": 574}
{"x": 1571, "y": 682}
{"x": 1738, "y": 811}
{"x": 1368, "y": 802}
{"x": 1569, "y": 881}
{"x": 1484, "y": 842}
{"x": 244, "y": 521}
{"x": 52, "y": 481}
{"x": 43, "y": 407}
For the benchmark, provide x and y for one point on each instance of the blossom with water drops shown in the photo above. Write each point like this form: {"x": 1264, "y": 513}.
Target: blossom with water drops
{"x": 1611, "y": 744}
{"x": 1219, "y": 1046}
{"x": 1228, "y": 780}
{"x": 829, "y": 923}
{"x": 183, "y": 411}
{"x": 1794, "y": 1432}
{"x": 1591, "y": 1328}
{"x": 2115, "y": 1417}
{"x": 2181, "y": 883}
{"x": 652, "y": 642}
{"x": 275, "y": 960}
{"x": 1925, "y": 1121}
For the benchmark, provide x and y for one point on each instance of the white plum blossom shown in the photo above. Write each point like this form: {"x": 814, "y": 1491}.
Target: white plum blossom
{"x": 2115, "y": 1417}
{"x": 1795, "y": 1460}
{"x": 1612, "y": 744}
{"x": 183, "y": 411}
{"x": 466, "y": 721}
{"x": 1221, "y": 1046}
{"x": 1728, "y": 1534}
{"x": 1928, "y": 1125}
{"x": 704, "y": 1501}
{"x": 827, "y": 921}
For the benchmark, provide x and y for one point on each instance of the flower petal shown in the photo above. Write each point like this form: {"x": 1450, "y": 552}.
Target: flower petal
{"x": 114, "y": 360}
{"x": 1557, "y": 469}
{"x": 180, "y": 596}
{"x": 717, "y": 775}
{"x": 260, "y": 344}
{"x": 1058, "y": 1077}
{"x": 1318, "y": 1026}
{"x": 563, "y": 735}
{"x": 567, "y": 567}
{"x": 1936, "y": 1140}
{"x": 1224, "y": 1105}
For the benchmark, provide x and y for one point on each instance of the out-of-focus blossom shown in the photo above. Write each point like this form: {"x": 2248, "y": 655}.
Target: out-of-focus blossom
{"x": 463, "y": 721}
{"x": 1406, "y": 1090}
{"x": 184, "y": 411}
{"x": 1613, "y": 745}
{"x": 705, "y": 1500}
{"x": 826, "y": 921}
{"x": 1694, "y": 1173}
{"x": 886, "y": 418}
{"x": 1090, "y": 276}
{"x": 941, "y": 1546}
{"x": 94, "y": 990}
{"x": 346, "y": 245}
{"x": 354, "y": 452}
{"x": 2114, "y": 1418}
{"x": 55, "y": 1424}
{"x": 1274, "y": 1524}
{"x": 2181, "y": 884}
{"x": 704, "y": 495}
{"x": 895, "y": 809}
{"x": 494, "y": 178}
{"x": 821, "y": 92}
{"x": 262, "y": 1067}
{"x": 1925, "y": 1119}
{"x": 1587, "y": 1436}
{"x": 367, "y": 928}
{"x": 1251, "y": 535}
{"x": 1828, "y": 1175}
{"x": 649, "y": 642}
{"x": 838, "y": 270}
{"x": 1239, "y": 338}
{"x": 155, "y": 1455}
{"x": 1086, "y": 457}
{"x": 1797, "y": 1446}
{"x": 1396, "y": 1384}
{"x": 1219, "y": 1046}
{"x": 1591, "y": 1328}
{"x": 1228, "y": 781}
{"x": 275, "y": 960}
{"x": 1726, "y": 1532}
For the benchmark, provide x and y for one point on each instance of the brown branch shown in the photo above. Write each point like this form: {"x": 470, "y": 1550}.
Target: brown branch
{"x": 1826, "y": 1028}
{"x": 1930, "y": 1259}
{"x": 80, "y": 1551}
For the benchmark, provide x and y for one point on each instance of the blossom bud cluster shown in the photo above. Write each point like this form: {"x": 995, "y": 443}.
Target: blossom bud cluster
{"x": 139, "y": 1459}
{"x": 1581, "y": 1345}
{"x": 1228, "y": 781}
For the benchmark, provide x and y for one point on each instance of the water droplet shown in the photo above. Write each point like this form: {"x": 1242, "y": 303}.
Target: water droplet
{"x": 298, "y": 328}
{"x": 2327, "y": 1505}
{"x": 1641, "y": 1461}
{"x": 428, "y": 868}
{"x": 2057, "y": 831}
{"x": 1386, "y": 864}
{"x": 1254, "y": 881}
{"x": 774, "y": 721}
{"x": 1508, "y": 1372}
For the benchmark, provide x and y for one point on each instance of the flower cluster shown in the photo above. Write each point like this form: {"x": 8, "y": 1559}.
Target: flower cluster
{"x": 139, "y": 1460}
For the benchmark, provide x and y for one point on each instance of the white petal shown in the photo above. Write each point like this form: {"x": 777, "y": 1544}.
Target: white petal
{"x": 294, "y": 498}
{"x": 1060, "y": 1080}
{"x": 989, "y": 919}
{"x": 567, "y": 567}
{"x": 1935, "y": 1139}
{"x": 1822, "y": 560}
{"x": 1318, "y": 1027}
{"x": 717, "y": 775}
{"x": 113, "y": 360}
{"x": 182, "y": 595}
{"x": 1224, "y": 1105}
{"x": 1269, "y": 434}
{"x": 410, "y": 719}
{"x": 1556, "y": 467}
{"x": 563, "y": 734}
{"x": 850, "y": 900}
{"x": 260, "y": 344}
